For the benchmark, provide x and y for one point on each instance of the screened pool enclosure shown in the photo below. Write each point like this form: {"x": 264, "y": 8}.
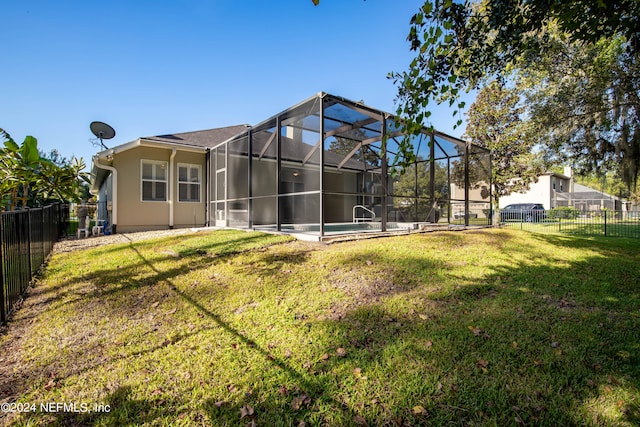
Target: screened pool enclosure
{"x": 320, "y": 168}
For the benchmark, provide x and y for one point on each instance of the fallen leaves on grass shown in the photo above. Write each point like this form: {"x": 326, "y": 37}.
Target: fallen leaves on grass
{"x": 482, "y": 364}
{"x": 479, "y": 332}
{"x": 246, "y": 411}
{"x": 300, "y": 401}
{"x": 341, "y": 352}
{"x": 283, "y": 391}
{"x": 419, "y": 410}
{"x": 358, "y": 420}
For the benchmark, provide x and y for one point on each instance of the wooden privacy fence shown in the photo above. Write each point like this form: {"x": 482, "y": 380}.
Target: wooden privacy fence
{"x": 26, "y": 239}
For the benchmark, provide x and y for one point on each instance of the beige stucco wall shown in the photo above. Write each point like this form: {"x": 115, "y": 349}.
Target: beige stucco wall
{"x": 135, "y": 214}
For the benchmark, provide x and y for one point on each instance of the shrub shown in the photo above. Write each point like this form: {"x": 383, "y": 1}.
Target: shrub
{"x": 564, "y": 212}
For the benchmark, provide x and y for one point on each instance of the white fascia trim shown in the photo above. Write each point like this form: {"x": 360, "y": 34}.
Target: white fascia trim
{"x": 141, "y": 142}
{"x": 170, "y": 146}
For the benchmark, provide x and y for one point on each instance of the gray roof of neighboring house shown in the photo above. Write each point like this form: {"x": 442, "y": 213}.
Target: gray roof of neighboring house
{"x": 200, "y": 138}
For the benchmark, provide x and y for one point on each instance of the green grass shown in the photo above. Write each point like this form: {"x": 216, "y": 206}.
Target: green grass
{"x": 581, "y": 227}
{"x": 490, "y": 327}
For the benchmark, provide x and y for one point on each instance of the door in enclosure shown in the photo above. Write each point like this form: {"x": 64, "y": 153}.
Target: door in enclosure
{"x": 219, "y": 187}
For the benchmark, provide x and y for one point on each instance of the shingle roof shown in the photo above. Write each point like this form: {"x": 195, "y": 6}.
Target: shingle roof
{"x": 201, "y": 138}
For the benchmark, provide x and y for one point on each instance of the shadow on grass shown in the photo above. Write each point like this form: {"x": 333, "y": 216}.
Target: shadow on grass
{"x": 117, "y": 410}
{"x": 525, "y": 343}
{"x": 230, "y": 414}
{"x": 114, "y": 279}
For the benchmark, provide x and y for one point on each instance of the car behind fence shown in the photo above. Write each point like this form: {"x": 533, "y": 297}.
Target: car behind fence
{"x": 572, "y": 221}
{"x": 26, "y": 239}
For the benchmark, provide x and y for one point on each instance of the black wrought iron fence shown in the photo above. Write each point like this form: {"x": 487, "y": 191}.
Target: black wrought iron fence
{"x": 571, "y": 221}
{"x": 26, "y": 240}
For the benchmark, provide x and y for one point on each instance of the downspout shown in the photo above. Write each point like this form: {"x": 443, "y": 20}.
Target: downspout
{"x": 114, "y": 185}
{"x": 207, "y": 187}
{"x": 173, "y": 155}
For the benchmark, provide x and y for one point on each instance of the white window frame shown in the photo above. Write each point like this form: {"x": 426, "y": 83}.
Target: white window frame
{"x": 153, "y": 180}
{"x": 190, "y": 166}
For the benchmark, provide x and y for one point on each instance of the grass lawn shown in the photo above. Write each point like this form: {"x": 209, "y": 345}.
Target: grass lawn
{"x": 490, "y": 327}
{"x": 581, "y": 226}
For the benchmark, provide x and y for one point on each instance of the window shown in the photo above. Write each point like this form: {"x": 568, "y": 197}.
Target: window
{"x": 154, "y": 180}
{"x": 189, "y": 178}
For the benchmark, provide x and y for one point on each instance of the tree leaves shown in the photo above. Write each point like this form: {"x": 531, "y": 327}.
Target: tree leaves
{"x": 460, "y": 46}
{"x": 39, "y": 179}
{"x": 494, "y": 122}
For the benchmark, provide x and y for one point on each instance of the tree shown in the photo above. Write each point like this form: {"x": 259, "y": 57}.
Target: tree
{"x": 460, "y": 46}
{"x": 31, "y": 179}
{"x": 61, "y": 182}
{"x": 412, "y": 190}
{"x": 583, "y": 100}
{"x": 494, "y": 122}
{"x": 18, "y": 167}
{"x": 344, "y": 146}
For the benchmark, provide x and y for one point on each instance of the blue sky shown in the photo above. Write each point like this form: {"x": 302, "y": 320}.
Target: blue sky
{"x": 156, "y": 67}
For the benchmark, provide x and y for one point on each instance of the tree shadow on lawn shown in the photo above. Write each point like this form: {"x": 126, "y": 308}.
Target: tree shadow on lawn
{"x": 117, "y": 410}
{"x": 451, "y": 352}
{"x": 529, "y": 383}
{"x": 227, "y": 413}
{"x": 526, "y": 342}
{"x": 115, "y": 279}
{"x": 490, "y": 351}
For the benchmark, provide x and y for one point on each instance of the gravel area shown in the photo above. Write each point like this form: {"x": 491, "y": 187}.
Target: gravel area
{"x": 71, "y": 243}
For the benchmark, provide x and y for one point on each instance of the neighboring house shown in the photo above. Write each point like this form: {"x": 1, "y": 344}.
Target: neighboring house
{"x": 555, "y": 190}
{"x": 318, "y": 167}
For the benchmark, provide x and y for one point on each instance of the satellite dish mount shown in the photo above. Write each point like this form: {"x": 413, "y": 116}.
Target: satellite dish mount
{"x": 102, "y": 131}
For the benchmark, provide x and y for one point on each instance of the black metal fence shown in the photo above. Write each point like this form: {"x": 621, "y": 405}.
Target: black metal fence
{"x": 26, "y": 239}
{"x": 570, "y": 221}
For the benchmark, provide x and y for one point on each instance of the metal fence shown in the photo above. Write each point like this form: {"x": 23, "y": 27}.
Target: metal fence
{"x": 26, "y": 239}
{"x": 570, "y": 221}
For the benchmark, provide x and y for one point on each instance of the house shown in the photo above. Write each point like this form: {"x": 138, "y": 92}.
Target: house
{"x": 317, "y": 168}
{"x": 156, "y": 182}
{"x": 555, "y": 190}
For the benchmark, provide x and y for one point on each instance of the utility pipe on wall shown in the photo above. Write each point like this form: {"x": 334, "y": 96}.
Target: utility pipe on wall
{"x": 173, "y": 155}
{"x": 114, "y": 173}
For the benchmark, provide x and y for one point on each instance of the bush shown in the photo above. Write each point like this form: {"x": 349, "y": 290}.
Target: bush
{"x": 564, "y": 212}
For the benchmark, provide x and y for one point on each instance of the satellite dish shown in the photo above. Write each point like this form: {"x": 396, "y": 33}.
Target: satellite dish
{"x": 102, "y": 131}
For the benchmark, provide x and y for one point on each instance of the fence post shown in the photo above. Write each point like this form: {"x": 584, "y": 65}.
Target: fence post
{"x": 605, "y": 223}
{"x": 3, "y": 306}
{"x": 44, "y": 251}
{"x": 29, "y": 245}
